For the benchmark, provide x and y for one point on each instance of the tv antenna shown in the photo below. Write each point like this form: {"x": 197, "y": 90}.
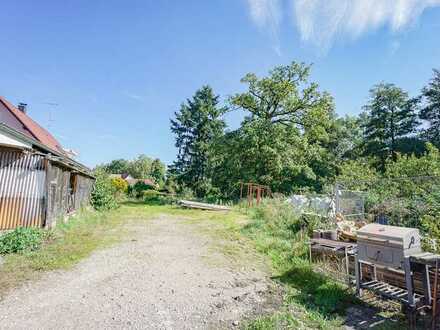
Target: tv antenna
{"x": 53, "y": 106}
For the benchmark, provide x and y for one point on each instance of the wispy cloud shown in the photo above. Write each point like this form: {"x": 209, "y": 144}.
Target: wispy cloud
{"x": 321, "y": 21}
{"x": 267, "y": 15}
{"x": 265, "y": 12}
{"x": 134, "y": 96}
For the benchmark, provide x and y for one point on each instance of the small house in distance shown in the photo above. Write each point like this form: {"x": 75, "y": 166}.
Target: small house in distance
{"x": 132, "y": 181}
{"x": 39, "y": 181}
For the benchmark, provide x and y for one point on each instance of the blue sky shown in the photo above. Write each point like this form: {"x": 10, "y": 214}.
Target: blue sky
{"x": 106, "y": 76}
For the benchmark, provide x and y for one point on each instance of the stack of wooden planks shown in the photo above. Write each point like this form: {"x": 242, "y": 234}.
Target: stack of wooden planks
{"x": 203, "y": 206}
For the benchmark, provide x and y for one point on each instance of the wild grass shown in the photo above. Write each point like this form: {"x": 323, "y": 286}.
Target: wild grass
{"x": 315, "y": 300}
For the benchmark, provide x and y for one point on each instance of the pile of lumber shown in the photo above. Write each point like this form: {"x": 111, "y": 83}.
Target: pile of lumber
{"x": 203, "y": 206}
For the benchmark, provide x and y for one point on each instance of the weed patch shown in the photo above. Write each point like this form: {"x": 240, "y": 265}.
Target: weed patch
{"x": 22, "y": 239}
{"x": 315, "y": 300}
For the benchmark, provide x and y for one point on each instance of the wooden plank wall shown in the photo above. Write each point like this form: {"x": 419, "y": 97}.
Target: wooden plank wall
{"x": 69, "y": 192}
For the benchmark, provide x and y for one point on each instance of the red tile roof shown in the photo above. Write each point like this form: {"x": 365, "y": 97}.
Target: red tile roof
{"x": 38, "y": 132}
{"x": 149, "y": 182}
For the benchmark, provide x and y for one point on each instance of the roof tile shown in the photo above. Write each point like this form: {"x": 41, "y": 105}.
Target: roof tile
{"x": 35, "y": 129}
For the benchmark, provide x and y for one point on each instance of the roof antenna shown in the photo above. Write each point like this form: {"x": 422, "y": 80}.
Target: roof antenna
{"x": 51, "y": 119}
{"x": 22, "y": 107}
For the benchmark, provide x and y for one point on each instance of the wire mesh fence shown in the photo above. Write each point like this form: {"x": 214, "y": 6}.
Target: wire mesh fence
{"x": 398, "y": 201}
{"x": 403, "y": 201}
{"x": 349, "y": 204}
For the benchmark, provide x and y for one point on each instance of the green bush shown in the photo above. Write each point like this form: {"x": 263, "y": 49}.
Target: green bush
{"x": 21, "y": 239}
{"x": 158, "y": 198}
{"x": 407, "y": 193}
{"x": 139, "y": 188}
{"x": 103, "y": 194}
{"x": 151, "y": 195}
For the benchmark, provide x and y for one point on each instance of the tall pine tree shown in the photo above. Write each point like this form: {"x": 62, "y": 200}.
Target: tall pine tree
{"x": 431, "y": 110}
{"x": 391, "y": 116}
{"x": 196, "y": 126}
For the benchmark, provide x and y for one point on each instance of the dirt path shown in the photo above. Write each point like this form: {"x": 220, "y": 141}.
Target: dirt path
{"x": 166, "y": 276}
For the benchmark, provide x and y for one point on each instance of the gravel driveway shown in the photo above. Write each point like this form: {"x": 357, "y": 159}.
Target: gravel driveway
{"x": 167, "y": 275}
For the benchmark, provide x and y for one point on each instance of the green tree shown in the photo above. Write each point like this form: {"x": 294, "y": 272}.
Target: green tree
{"x": 276, "y": 155}
{"x": 158, "y": 170}
{"x": 346, "y": 137}
{"x": 140, "y": 167}
{"x": 282, "y": 140}
{"x": 431, "y": 111}
{"x": 196, "y": 126}
{"x": 117, "y": 166}
{"x": 391, "y": 115}
{"x": 286, "y": 97}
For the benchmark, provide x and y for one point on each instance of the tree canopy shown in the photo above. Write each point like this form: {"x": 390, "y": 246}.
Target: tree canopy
{"x": 196, "y": 126}
{"x": 431, "y": 111}
{"x": 391, "y": 115}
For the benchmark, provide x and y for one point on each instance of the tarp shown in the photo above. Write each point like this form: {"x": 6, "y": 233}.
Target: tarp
{"x": 321, "y": 205}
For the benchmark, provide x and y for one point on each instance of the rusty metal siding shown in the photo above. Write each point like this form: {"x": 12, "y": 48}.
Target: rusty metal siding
{"x": 22, "y": 189}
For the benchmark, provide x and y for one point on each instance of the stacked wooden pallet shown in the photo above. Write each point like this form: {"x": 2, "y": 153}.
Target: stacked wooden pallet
{"x": 203, "y": 206}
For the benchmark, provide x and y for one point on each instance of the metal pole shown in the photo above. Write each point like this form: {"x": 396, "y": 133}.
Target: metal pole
{"x": 434, "y": 302}
{"x": 358, "y": 272}
{"x": 346, "y": 266}
{"x": 409, "y": 282}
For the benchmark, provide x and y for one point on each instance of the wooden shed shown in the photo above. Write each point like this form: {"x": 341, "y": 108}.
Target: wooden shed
{"x": 39, "y": 182}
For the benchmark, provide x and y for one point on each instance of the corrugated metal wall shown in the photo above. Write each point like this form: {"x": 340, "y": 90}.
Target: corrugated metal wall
{"x": 22, "y": 189}
{"x": 23, "y": 197}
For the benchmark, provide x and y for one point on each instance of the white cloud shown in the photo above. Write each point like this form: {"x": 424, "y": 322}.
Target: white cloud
{"x": 265, "y": 12}
{"x": 267, "y": 15}
{"x": 321, "y": 21}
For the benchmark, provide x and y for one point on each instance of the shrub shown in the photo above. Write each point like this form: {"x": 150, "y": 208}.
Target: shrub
{"x": 186, "y": 193}
{"x": 407, "y": 193}
{"x": 158, "y": 198}
{"x": 139, "y": 188}
{"x": 21, "y": 239}
{"x": 103, "y": 194}
{"x": 119, "y": 185}
{"x": 151, "y": 195}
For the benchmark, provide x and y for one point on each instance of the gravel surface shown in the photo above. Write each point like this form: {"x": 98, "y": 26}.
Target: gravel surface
{"x": 166, "y": 276}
